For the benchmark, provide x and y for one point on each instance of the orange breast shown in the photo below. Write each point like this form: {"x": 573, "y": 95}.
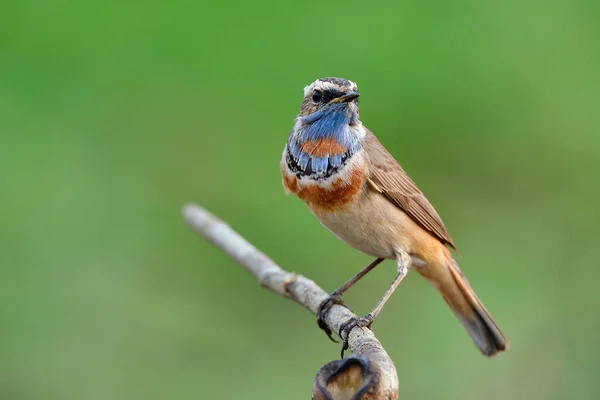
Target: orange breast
{"x": 331, "y": 196}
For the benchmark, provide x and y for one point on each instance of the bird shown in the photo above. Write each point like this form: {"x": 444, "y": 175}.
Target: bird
{"x": 361, "y": 194}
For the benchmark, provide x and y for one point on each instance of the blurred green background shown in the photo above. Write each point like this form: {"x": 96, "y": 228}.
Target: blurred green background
{"x": 114, "y": 114}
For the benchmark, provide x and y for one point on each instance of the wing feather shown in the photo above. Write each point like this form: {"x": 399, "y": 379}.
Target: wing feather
{"x": 388, "y": 178}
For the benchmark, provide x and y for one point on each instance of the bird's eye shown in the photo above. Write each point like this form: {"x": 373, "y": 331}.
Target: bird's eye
{"x": 317, "y": 96}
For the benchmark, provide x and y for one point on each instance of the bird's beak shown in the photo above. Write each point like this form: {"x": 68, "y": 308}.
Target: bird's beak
{"x": 346, "y": 97}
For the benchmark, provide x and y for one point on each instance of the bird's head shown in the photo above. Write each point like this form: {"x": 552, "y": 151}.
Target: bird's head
{"x": 330, "y": 94}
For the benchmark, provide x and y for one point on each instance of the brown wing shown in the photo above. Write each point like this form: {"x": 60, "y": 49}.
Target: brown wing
{"x": 390, "y": 179}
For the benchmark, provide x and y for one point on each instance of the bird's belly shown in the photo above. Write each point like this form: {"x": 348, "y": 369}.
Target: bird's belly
{"x": 372, "y": 225}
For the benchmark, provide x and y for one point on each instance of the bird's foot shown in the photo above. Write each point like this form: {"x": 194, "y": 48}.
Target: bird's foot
{"x": 346, "y": 328}
{"x": 334, "y": 298}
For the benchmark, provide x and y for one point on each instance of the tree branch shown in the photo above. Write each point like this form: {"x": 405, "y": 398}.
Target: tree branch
{"x": 368, "y": 374}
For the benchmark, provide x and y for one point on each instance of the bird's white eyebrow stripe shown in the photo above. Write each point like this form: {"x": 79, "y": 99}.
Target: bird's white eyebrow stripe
{"x": 324, "y": 86}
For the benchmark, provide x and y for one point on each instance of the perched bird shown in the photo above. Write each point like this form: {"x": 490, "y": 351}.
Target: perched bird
{"x": 358, "y": 191}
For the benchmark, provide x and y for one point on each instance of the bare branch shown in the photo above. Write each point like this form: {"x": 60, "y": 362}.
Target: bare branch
{"x": 378, "y": 370}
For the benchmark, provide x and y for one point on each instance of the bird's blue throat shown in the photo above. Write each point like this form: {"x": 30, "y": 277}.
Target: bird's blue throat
{"x": 331, "y": 123}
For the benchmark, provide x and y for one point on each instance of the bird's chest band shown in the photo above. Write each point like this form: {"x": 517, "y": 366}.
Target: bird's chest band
{"x": 317, "y": 158}
{"x": 329, "y": 194}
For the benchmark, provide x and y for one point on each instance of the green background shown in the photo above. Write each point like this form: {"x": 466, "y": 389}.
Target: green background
{"x": 114, "y": 114}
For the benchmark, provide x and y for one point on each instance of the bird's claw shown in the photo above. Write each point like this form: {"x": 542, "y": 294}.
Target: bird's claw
{"x": 346, "y": 328}
{"x": 323, "y": 309}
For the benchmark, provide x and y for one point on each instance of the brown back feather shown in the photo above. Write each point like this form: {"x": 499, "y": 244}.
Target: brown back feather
{"x": 388, "y": 177}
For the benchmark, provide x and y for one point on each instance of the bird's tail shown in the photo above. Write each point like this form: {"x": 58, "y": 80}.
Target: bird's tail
{"x": 457, "y": 293}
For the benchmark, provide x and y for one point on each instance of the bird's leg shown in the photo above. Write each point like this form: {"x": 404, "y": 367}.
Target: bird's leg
{"x": 403, "y": 262}
{"x": 336, "y": 296}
